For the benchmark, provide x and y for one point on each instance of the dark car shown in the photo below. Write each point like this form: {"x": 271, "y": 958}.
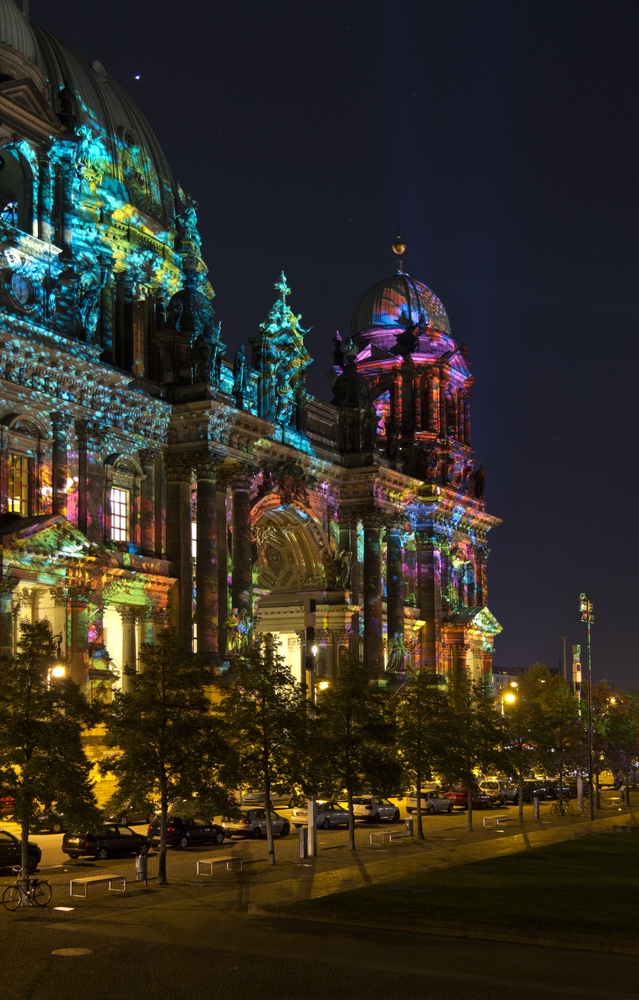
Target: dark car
{"x": 186, "y": 831}
{"x": 553, "y": 786}
{"x": 11, "y": 852}
{"x": 105, "y": 840}
{"x": 50, "y": 820}
{"x": 131, "y": 812}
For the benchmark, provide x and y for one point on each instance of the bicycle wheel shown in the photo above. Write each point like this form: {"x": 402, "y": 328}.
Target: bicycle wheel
{"x": 569, "y": 809}
{"x": 41, "y": 893}
{"x": 554, "y": 809}
{"x": 12, "y": 897}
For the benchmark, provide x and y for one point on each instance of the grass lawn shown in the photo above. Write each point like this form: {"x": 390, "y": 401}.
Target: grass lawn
{"x": 585, "y": 886}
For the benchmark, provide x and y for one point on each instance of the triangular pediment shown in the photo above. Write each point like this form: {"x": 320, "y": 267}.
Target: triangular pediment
{"x": 24, "y": 109}
{"x": 478, "y": 618}
{"x": 48, "y": 536}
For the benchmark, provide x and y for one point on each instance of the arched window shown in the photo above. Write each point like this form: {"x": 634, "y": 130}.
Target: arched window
{"x": 16, "y": 190}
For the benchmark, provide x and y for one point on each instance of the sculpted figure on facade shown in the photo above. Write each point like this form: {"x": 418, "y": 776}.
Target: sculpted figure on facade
{"x": 240, "y": 377}
{"x": 281, "y": 359}
{"x": 397, "y": 653}
{"x": 343, "y": 561}
{"x": 187, "y": 219}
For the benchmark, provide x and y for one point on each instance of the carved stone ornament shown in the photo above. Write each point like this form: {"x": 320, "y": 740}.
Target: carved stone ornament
{"x": 179, "y": 468}
{"x": 289, "y": 480}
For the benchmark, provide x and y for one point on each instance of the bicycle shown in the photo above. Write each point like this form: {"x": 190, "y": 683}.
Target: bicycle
{"x": 561, "y": 809}
{"x": 38, "y": 892}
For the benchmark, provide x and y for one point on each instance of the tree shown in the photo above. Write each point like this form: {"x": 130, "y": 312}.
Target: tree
{"x": 171, "y": 739}
{"x": 559, "y": 731}
{"x": 521, "y": 723}
{"x": 421, "y": 733}
{"x": 265, "y": 710}
{"x": 354, "y": 737}
{"x": 42, "y": 759}
{"x": 474, "y": 735}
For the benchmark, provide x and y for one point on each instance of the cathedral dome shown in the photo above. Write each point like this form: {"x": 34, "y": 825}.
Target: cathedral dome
{"x": 124, "y": 148}
{"x": 399, "y": 301}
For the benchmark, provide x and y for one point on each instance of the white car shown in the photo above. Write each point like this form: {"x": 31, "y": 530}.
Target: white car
{"x": 252, "y": 823}
{"x": 432, "y": 802}
{"x": 327, "y": 813}
{"x": 374, "y": 809}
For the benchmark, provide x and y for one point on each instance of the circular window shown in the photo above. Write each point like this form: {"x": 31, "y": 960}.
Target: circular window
{"x": 21, "y": 290}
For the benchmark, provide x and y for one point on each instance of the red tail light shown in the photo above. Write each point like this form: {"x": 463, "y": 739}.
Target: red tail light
{"x": 88, "y": 844}
{"x": 246, "y": 821}
{"x": 170, "y": 829}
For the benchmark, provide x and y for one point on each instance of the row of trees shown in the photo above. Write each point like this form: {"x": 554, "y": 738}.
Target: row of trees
{"x": 182, "y": 732}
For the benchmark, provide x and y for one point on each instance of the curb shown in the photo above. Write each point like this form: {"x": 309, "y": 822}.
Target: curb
{"x": 543, "y": 939}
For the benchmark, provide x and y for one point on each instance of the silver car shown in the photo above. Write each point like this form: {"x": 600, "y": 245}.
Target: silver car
{"x": 374, "y": 809}
{"x": 253, "y": 798}
{"x": 432, "y": 802}
{"x": 252, "y": 823}
{"x": 327, "y": 813}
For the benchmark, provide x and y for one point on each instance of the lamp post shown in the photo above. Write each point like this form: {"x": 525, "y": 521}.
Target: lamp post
{"x": 585, "y": 607}
{"x": 310, "y": 804}
{"x": 565, "y": 662}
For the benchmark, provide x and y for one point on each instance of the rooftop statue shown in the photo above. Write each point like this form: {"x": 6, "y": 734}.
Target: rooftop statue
{"x": 187, "y": 219}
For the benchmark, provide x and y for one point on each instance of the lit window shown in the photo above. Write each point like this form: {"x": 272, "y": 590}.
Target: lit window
{"x": 120, "y": 524}
{"x": 19, "y": 482}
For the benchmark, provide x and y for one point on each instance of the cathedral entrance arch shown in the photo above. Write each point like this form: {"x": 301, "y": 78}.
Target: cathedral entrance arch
{"x": 291, "y": 551}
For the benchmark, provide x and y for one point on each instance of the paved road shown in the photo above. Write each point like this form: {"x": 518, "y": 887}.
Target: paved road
{"x": 195, "y": 949}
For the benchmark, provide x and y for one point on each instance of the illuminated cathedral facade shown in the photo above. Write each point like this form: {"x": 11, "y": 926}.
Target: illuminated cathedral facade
{"x": 147, "y": 476}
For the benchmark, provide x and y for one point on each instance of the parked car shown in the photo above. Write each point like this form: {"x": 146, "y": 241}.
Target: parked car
{"x": 52, "y": 821}
{"x": 186, "y": 831}
{"x": 131, "y": 812}
{"x": 105, "y": 840}
{"x": 252, "y": 798}
{"x": 11, "y": 852}
{"x": 374, "y": 809}
{"x": 552, "y": 789}
{"x": 459, "y": 797}
{"x": 327, "y": 813}
{"x": 252, "y": 823}
{"x": 431, "y": 802}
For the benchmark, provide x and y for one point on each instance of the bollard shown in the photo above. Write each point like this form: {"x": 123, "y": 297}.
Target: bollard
{"x": 409, "y": 826}
{"x": 140, "y": 868}
{"x": 303, "y": 832}
{"x": 535, "y": 807}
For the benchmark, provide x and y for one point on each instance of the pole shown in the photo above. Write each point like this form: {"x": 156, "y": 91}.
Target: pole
{"x": 586, "y": 608}
{"x": 310, "y": 804}
{"x": 565, "y": 664}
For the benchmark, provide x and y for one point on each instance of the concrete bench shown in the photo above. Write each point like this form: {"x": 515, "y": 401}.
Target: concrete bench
{"x": 232, "y": 863}
{"x": 502, "y": 820}
{"x": 381, "y": 837}
{"x": 88, "y": 880}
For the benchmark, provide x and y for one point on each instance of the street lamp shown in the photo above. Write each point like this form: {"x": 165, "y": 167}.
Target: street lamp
{"x": 585, "y": 607}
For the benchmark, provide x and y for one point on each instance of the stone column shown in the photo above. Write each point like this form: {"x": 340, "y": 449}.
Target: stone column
{"x": 77, "y": 633}
{"x": 7, "y": 585}
{"x": 45, "y": 202}
{"x": 372, "y": 594}
{"x": 466, "y": 404}
{"x": 148, "y": 460}
{"x": 129, "y": 616}
{"x": 61, "y": 423}
{"x": 206, "y": 569}
{"x": 178, "y": 544}
{"x": 429, "y": 599}
{"x": 91, "y": 500}
{"x": 348, "y": 543}
{"x": 394, "y": 581}
{"x": 241, "y": 586}
{"x": 222, "y": 564}
{"x": 461, "y": 415}
{"x": 443, "y": 409}
{"x": 433, "y": 401}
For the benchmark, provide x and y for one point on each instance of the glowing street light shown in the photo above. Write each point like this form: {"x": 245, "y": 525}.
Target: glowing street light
{"x": 585, "y": 607}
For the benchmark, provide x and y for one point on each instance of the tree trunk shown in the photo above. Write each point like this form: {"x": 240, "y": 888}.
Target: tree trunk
{"x": 162, "y": 879}
{"x": 24, "y": 874}
{"x": 269, "y": 828}
{"x": 520, "y": 798}
{"x": 351, "y": 820}
{"x": 418, "y": 799}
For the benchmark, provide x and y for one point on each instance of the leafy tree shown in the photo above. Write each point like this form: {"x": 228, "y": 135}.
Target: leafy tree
{"x": 265, "y": 710}
{"x": 474, "y": 735}
{"x": 171, "y": 739}
{"x": 422, "y": 737}
{"x": 354, "y": 737}
{"x": 619, "y": 733}
{"x": 521, "y": 722}
{"x": 42, "y": 760}
{"x": 559, "y": 730}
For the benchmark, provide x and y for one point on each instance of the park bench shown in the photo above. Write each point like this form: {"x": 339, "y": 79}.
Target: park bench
{"x": 502, "y": 820}
{"x": 88, "y": 880}
{"x": 381, "y": 837}
{"x": 232, "y": 863}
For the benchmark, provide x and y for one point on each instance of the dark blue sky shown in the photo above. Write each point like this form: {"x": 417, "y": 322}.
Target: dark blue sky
{"x": 502, "y": 137}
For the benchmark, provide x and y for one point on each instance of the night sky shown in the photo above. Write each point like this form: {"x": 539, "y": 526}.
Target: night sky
{"x": 502, "y": 138}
